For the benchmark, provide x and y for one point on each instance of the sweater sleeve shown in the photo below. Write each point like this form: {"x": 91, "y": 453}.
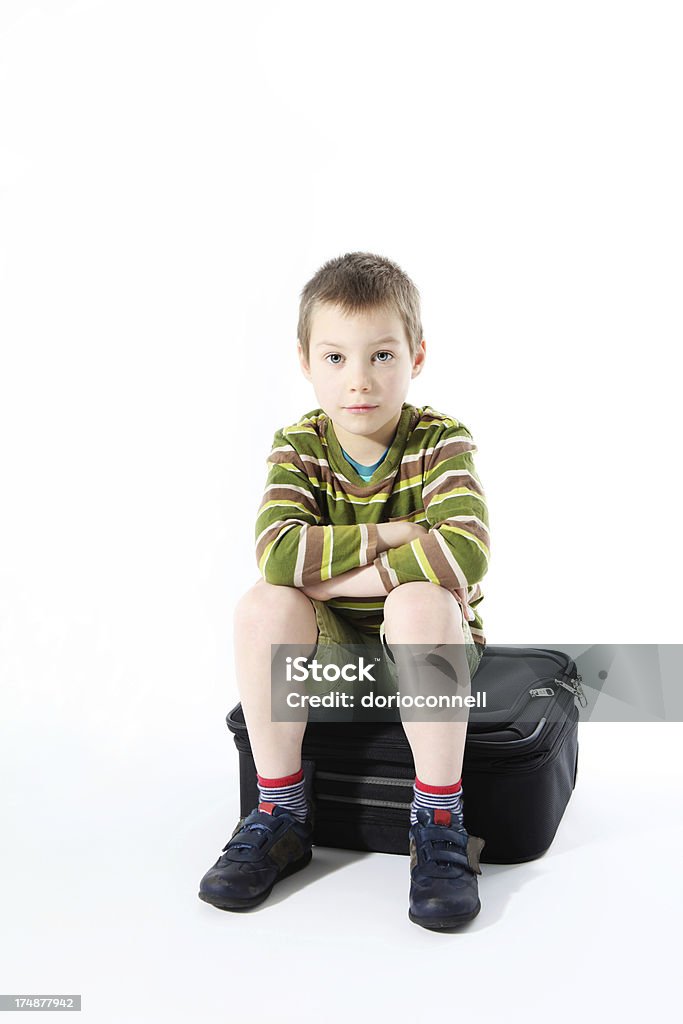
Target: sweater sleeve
{"x": 455, "y": 552}
{"x": 294, "y": 547}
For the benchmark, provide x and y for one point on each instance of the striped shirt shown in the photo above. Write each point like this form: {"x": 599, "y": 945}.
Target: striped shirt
{"x": 318, "y": 517}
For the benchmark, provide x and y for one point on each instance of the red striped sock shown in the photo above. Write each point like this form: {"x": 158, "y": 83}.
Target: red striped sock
{"x": 287, "y": 791}
{"x": 447, "y": 798}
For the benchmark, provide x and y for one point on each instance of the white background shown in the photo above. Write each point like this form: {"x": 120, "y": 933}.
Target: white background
{"x": 171, "y": 174}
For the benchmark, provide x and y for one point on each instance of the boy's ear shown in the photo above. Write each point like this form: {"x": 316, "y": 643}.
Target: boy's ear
{"x": 419, "y": 359}
{"x": 305, "y": 368}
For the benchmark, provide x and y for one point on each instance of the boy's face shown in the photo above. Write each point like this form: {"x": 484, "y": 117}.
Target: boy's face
{"x": 360, "y": 368}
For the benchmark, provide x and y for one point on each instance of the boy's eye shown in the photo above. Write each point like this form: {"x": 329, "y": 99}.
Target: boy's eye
{"x": 334, "y": 358}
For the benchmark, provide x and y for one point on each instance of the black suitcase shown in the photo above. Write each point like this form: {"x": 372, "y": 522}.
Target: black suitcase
{"x": 519, "y": 767}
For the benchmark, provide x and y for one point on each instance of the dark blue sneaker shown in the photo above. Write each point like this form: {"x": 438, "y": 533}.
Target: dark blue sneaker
{"x": 444, "y": 864}
{"x": 267, "y": 845}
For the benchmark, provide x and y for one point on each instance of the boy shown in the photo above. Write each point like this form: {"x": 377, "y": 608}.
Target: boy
{"x": 373, "y": 524}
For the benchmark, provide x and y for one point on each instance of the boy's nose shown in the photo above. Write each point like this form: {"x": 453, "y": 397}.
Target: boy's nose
{"x": 358, "y": 380}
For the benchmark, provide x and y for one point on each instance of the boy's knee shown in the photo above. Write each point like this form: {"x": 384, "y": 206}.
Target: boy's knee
{"x": 270, "y": 601}
{"x": 420, "y": 601}
{"x": 413, "y": 596}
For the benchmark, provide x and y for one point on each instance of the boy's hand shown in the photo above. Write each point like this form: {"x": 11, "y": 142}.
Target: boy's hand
{"x": 364, "y": 581}
{"x": 393, "y": 535}
{"x": 318, "y": 591}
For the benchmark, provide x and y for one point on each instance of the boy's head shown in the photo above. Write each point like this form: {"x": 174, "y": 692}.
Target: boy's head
{"x": 360, "y": 342}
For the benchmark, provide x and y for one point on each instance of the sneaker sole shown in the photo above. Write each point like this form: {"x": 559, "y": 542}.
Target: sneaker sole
{"x": 438, "y": 923}
{"x": 233, "y": 903}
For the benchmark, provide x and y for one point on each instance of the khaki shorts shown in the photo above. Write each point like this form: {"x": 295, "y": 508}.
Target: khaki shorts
{"x": 334, "y": 629}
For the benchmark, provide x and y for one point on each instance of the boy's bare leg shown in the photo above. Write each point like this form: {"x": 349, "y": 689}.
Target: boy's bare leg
{"x": 423, "y": 613}
{"x": 272, "y": 841}
{"x": 443, "y": 893}
{"x": 267, "y": 615}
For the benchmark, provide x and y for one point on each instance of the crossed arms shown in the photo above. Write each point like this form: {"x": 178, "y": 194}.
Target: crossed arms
{"x": 365, "y": 581}
{"x": 296, "y": 547}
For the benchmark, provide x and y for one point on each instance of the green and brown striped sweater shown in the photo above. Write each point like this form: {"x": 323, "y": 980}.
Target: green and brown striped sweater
{"x": 318, "y": 517}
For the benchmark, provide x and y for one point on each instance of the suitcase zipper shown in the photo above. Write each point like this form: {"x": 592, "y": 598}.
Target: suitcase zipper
{"x": 540, "y": 690}
{"x": 364, "y": 780}
{"x": 368, "y": 780}
{"x": 575, "y": 688}
{"x": 365, "y": 801}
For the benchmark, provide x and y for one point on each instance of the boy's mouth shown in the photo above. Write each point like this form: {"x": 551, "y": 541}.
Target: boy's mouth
{"x": 359, "y": 408}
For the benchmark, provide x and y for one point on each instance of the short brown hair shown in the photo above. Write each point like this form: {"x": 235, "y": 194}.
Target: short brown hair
{"x": 360, "y": 282}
